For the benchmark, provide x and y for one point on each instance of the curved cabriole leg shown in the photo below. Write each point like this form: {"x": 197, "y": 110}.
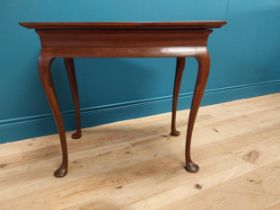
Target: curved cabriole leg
{"x": 177, "y": 83}
{"x": 203, "y": 72}
{"x": 45, "y": 74}
{"x": 69, "y": 63}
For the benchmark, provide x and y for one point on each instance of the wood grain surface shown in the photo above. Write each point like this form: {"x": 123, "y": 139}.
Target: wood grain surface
{"x": 136, "y": 164}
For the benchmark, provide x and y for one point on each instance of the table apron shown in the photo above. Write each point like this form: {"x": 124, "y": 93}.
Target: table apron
{"x": 124, "y": 52}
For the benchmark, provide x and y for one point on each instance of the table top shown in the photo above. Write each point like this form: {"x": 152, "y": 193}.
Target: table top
{"x": 191, "y": 25}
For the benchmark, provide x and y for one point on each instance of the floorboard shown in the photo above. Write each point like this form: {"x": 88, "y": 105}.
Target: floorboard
{"x": 135, "y": 164}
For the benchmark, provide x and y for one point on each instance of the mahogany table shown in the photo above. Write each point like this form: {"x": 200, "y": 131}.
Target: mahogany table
{"x": 123, "y": 39}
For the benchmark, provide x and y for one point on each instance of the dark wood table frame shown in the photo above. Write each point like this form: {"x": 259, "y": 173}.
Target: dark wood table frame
{"x": 123, "y": 39}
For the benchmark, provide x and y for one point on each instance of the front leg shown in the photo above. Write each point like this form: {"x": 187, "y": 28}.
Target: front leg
{"x": 45, "y": 74}
{"x": 203, "y": 72}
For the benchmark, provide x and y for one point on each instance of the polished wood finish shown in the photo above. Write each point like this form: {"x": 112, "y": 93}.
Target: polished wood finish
{"x": 69, "y": 63}
{"x": 45, "y": 74}
{"x": 126, "y": 25}
{"x": 180, "y": 65}
{"x": 132, "y": 165}
{"x": 202, "y": 76}
{"x": 123, "y": 39}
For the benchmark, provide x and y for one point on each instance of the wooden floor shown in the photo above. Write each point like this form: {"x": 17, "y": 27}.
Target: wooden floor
{"x": 136, "y": 165}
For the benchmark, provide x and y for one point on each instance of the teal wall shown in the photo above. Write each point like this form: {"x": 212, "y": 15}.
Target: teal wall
{"x": 245, "y": 61}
